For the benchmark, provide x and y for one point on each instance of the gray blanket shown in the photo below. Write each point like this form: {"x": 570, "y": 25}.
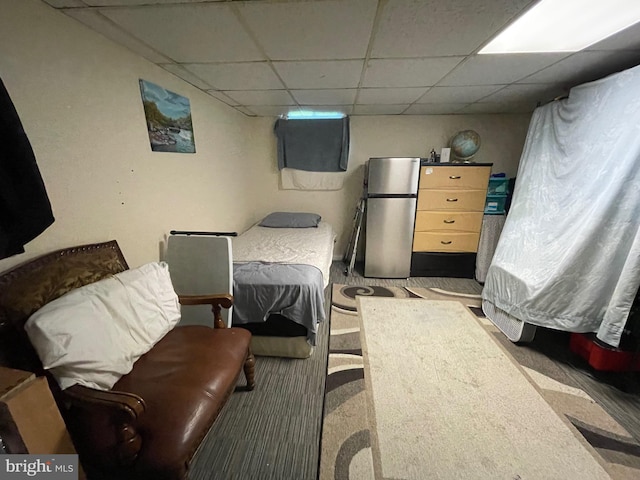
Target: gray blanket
{"x": 295, "y": 291}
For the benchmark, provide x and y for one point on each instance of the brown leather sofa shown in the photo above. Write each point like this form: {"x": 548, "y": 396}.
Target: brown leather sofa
{"x": 150, "y": 424}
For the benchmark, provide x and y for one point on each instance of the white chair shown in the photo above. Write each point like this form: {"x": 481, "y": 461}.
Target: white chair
{"x": 200, "y": 264}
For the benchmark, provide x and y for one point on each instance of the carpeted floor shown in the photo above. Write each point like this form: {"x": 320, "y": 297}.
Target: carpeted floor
{"x": 274, "y": 432}
{"x": 346, "y": 452}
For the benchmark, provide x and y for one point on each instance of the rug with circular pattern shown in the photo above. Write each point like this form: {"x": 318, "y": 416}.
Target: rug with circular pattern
{"x": 346, "y": 437}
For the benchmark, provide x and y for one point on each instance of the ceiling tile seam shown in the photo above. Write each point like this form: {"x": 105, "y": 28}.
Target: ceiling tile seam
{"x": 548, "y": 66}
{"x": 211, "y": 87}
{"x": 474, "y": 53}
{"x": 222, "y": 99}
{"x": 141, "y": 6}
{"x": 124, "y": 33}
{"x": 71, "y": 8}
{"x": 479, "y": 100}
{"x": 258, "y": 45}
{"x": 460, "y": 64}
{"x": 506, "y": 23}
{"x": 417, "y": 100}
{"x": 367, "y": 55}
{"x": 185, "y": 80}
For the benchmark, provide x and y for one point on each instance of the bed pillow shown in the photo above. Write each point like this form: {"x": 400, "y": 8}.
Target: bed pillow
{"x": 94, "y": 334}
{"x": 290, "y": 220}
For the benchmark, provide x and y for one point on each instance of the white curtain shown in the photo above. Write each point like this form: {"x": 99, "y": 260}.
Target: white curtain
{"x": 569, "y": 255}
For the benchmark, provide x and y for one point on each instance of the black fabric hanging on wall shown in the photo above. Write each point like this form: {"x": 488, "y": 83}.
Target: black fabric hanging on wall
{"x": 313, "y": 145}
{"x": 25, "y": 211}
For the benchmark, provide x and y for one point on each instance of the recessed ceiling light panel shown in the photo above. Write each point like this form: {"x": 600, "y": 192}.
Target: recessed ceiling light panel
{"x": 565, "y": 26}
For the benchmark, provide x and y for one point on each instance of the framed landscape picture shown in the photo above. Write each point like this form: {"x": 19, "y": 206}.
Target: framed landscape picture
{"x": 168, "y": 118}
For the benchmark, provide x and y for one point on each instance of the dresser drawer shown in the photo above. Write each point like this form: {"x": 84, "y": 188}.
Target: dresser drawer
{"x": 460, "y": 200}
{"x": 459, "y": 221}
{"x": 445, "y": 242}
{"x": 455, "y": 177}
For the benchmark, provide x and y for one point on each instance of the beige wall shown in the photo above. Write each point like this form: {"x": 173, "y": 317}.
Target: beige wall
{"x": 78, "y": 97}
{"x": 380, "y": 136}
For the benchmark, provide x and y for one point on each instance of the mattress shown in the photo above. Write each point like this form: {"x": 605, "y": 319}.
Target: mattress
{"x": 289, "y": 246}
{"x": 282, "y": 271}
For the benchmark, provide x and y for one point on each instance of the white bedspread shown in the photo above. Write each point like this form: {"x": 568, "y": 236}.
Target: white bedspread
{"x": 297, "y": 246}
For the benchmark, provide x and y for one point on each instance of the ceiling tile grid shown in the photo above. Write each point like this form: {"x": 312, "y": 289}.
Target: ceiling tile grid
{"x": 358, "y": 57}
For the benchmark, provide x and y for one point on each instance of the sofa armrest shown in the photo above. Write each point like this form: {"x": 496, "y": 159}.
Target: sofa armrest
{"x": 217, "y": 301}
{"x": 130, "y": 404}
{"x": 105, "y": 424}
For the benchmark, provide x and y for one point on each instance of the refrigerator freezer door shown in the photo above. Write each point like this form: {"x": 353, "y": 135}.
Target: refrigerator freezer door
{"x": 393, "y": 176}
{"x": 389, "y": 237}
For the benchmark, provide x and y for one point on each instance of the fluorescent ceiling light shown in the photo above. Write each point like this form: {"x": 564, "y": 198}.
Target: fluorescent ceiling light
{"x": 313, "y": 115}
{"x": 565, "y": 26}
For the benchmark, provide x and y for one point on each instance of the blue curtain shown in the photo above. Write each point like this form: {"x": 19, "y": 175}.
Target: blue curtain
{"x": 313, "y": 145}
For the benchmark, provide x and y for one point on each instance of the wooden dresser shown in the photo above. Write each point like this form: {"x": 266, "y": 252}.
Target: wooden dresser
{"x": 451, "y": 200}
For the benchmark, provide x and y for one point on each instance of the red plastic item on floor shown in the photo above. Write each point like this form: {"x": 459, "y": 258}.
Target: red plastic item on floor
{"x": 602, "y": 357}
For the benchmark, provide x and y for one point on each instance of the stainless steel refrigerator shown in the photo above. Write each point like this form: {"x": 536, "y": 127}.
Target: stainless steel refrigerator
{"x": 392, "y": 191}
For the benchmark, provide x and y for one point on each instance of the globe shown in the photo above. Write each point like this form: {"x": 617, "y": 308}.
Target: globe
{"x": 465, "y": 144}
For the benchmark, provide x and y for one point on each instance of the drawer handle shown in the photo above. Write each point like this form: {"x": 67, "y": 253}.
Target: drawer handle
{"x": 452, "y": 199}
{"x": 445, "y": 242}
{"x": 454, "y": 177}
{"x": 449, "y": 221}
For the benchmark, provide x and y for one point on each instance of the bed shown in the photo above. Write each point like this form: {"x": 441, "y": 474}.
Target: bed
{"x": 280, "y": 270}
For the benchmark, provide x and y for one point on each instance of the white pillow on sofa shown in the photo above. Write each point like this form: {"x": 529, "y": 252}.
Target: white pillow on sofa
{"x": 94, "y": 334}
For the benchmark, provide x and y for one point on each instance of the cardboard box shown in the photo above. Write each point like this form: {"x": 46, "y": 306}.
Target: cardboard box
{"x": 30, "y": 421}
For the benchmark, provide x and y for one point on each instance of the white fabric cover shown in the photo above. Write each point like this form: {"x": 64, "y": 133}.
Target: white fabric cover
{"x": 292, "y": 179}
{"x": 93, "y": 335}
{"x": 568, "y": 257}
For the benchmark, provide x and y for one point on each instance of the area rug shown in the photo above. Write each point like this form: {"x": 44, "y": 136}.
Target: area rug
{"x": 349, "y": 430}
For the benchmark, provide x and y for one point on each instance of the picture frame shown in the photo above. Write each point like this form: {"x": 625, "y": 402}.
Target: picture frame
{"x": 168, "y": 117}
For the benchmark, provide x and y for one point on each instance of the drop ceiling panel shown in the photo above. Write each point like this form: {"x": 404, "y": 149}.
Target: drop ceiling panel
{"x": 434, "y": 108}
{"x": 379, "y": 109}
{"x": 311, "y": 30}
{"x": 320, "y": 74}
{"x": 397, "y": 96}
{"x": 499, "y": 69}
{"x": 270, "y": 110}
{"x": 497, "y": 108}
{"x": 531, "y": 95}
{"x": 584, "y": 67}
{"x": 186, "y": 75}
{"x": 65, "y": 3}
{"x": 261, "y": 97}
{"x": 208, "y": 32}
{"x": 455, "y": 95}
{"x": 266, "y": 57}
{"x": 336, "y": 96}
{"x": 237, "y": 76}
{"x": 101, "y": 24}
{"x": 628, "y": 39}
{"x": 435, "y": 28}
{"x": 246, "y": 111}
{"x": 102, "y": 3}
{"x": 224, "y": 98}
{"x": 419, "y": 72}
